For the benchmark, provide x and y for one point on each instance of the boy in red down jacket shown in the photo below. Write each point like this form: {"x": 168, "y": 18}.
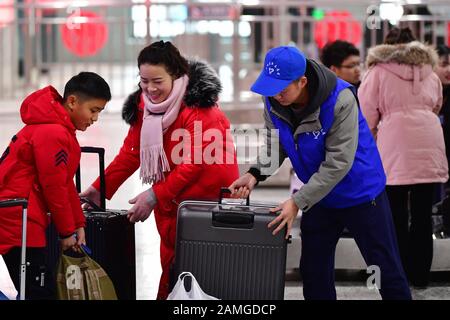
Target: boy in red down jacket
{"x": 39, "y": 165}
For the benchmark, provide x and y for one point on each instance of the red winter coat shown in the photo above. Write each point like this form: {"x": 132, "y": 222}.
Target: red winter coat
{"x": 183, "y": 181}
{"x": 39, "y": 165}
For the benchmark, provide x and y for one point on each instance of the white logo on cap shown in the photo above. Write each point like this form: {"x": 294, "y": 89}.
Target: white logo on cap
{"x": 271, "y": 68}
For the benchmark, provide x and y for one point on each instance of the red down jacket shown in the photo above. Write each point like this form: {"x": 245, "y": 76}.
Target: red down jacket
{"x": 183, "y": 181}
{"x": 39, "y": 164}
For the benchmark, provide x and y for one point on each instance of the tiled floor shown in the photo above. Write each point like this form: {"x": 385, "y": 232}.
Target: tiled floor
{"x": 109, "y": 133}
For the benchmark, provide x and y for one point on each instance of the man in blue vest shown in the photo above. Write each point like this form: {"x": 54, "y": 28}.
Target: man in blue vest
{"x": 319, "y": 126}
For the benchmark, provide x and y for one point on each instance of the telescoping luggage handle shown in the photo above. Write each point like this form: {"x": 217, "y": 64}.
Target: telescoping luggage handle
{"x": 23, "y": 264}
{"x": 225, "y": 190}
{"x": 101, "y": 164}
{"x": 237, "y": 217}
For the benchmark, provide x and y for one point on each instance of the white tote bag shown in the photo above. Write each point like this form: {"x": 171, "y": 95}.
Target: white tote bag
{"x": 6, "y": 285}
{"x": 179, "y": 291}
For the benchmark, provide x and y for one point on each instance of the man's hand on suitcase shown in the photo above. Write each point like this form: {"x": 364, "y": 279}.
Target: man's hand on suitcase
{"x": 143, "y": 206}
{"x": 289, "y": 211}
{"x": 92, "y": 194}
{"x": 242, "y": 187}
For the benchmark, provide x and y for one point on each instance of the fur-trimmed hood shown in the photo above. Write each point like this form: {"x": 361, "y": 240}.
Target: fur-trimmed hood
{"x": 204, "y": 85}
{"x": 414, "y": 53}
{"x": 202, "y": 91}
{"x": 412, "y": 61}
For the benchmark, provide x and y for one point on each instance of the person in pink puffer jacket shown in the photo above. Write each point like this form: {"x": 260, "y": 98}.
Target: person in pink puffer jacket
{"x": 400, "y": 97}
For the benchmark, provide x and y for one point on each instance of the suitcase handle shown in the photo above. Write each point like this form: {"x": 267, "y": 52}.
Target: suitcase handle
{"x": 23, "y": 265}
{"x": 94, "y": 206}
{"x": 101, "y": 164}
{"x": 236, "y": 220}
{"x": 225, "y": 190}
{"x": 14, "y": 203}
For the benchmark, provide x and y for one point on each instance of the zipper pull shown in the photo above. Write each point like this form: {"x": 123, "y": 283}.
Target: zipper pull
{"x": 374, "y": 203}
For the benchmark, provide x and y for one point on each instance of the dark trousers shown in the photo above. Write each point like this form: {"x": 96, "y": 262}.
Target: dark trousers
{"x": 414, "y": 234}
{"x": 40, "y": 282}
{"x": 373, "y": 230}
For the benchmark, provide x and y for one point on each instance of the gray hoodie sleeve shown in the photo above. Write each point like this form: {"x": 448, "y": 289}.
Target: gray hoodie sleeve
{"x": 271, "y": 154}
{"x": 340, "y": 149}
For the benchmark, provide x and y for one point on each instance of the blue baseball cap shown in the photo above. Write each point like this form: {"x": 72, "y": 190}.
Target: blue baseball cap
{"x": 282, "y": 65}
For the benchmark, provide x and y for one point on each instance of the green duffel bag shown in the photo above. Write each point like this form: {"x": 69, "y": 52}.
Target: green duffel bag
{"x": 81, "y": 278}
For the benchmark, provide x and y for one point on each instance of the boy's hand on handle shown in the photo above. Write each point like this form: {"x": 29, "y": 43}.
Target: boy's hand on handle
{"x": 80, "y": 236}
{"x": 92, "y": 194}
{"x": 68, "y": 243}
{"x": 143, "y": 206}
{"x": 289, "y": 212}
{"x": 242, "y": 187}
{"x": 75, "y": 241}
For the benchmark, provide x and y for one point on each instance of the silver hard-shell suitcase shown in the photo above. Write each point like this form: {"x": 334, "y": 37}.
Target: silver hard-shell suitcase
{"x": 230, "y": 250}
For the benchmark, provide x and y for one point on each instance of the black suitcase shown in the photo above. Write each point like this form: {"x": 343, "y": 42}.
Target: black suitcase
{"x": 230, "y": 250}
{"x": 109, "y": 235}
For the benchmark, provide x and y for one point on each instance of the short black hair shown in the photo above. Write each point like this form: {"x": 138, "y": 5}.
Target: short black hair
{"x": 87, "y": 85}
{"x": 334, "y": 53}
{"x": 166, "y": 54}
{"x": 443, "y": 50}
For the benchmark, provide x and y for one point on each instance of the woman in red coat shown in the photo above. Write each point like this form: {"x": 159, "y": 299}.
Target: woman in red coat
{"x": 178, "y": 137}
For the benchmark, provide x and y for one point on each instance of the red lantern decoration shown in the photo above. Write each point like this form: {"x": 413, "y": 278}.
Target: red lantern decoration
{"x": 6, "y": 13}
{"x": 448, "y": 34}
{"x": 83, "y": 37}
{"x": 337, "y": 25}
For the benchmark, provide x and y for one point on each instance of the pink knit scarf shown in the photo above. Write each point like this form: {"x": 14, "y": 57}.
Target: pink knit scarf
{"x": 157, "y": 118}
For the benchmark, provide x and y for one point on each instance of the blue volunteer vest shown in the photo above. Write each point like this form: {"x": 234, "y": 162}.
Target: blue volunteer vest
{"x": 366, "y": 178}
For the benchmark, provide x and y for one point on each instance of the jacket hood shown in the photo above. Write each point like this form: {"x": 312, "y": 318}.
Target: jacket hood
{"x": 45, "y": 107}
{"x": 412, "y": 61}
{"x": 413, "y": 54}
{"x": 322, "y": 81}
{"x": 204, "y": 85}
{"x": 202, "y": 91}
{"x": 408, "y": 72}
